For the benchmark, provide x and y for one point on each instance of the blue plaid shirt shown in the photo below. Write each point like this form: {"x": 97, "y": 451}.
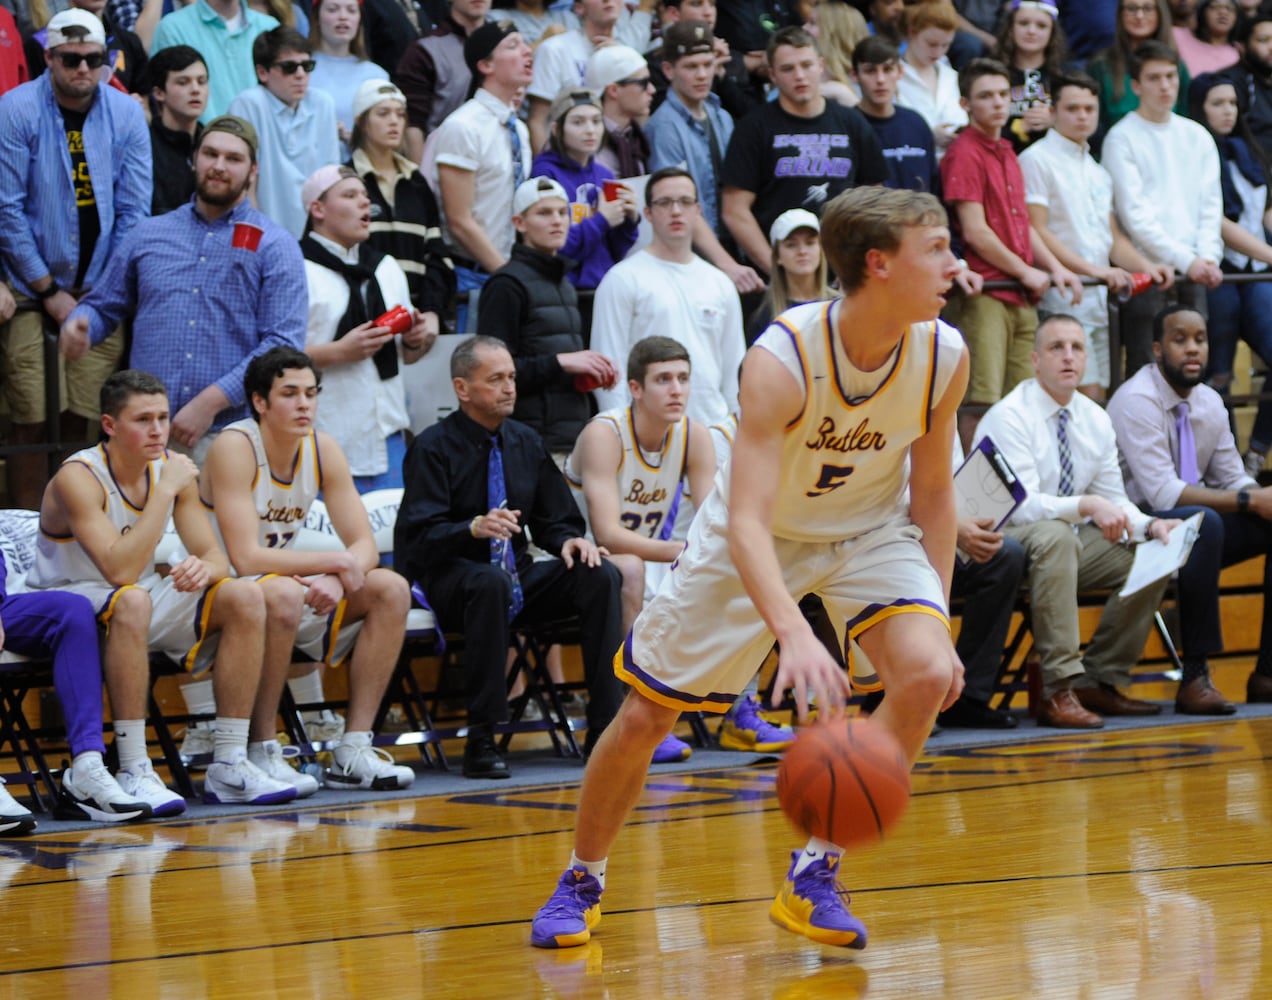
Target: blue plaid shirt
{"x": 201, "y": 307}
{"x": 39, "y": 221}
{"x": 677, "y": 139}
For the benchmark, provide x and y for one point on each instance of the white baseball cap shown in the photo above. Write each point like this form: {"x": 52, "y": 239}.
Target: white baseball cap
{"x": 373, "y": 92}
{"x": 790, "y": 220}
{"x": 611, "y": 64}
{"x": 533, "y": 191}
{"x": 75, "y": 26}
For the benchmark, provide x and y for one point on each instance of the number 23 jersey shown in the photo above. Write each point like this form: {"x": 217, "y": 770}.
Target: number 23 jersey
{"x": 845, "y": 459}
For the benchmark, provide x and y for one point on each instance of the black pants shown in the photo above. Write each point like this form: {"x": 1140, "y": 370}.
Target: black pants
{"x": 473, "y": 598}
{"x": 989, "y": 592}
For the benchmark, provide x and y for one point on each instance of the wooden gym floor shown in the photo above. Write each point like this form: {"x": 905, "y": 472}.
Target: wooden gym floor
{"x": 1134, "y": 864}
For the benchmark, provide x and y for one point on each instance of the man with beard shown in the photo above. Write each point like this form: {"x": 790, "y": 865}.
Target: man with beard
{"x": 1252, "y": 76}
{"x": 1179, "y": 457}
{"x": 208, "y": 286}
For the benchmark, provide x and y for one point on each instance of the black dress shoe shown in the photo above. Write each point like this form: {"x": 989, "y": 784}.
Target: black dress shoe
{"x": 971, "y": 713}
{"x": 482, "y": 758}
{"x": 1258, "y": 689}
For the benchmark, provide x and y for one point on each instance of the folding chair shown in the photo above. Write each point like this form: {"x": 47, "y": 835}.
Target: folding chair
{"x": 18, "y": 677}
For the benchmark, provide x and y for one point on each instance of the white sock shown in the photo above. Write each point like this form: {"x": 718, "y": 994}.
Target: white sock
{"x": 305, "y": 689}
{"x": 349, "y": 744}
{"x": 231, "y": 739}
{"x": 130, "y": 741}
{"x": 200, "y": 699}
{"x": 814, "y": 850}
{"x": 594, "y": 868}
{"x": 89, "y": 760}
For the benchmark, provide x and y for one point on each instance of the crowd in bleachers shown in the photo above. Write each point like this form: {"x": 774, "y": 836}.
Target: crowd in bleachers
{"x": 188, "y": 189}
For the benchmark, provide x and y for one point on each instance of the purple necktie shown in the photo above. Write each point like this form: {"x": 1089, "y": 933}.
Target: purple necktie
{"x": 1187, "y": 446}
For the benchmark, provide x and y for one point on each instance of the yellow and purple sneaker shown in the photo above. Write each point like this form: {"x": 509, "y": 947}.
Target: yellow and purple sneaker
{"x": 567, "y": 918}
{"x": 814, "y": 904}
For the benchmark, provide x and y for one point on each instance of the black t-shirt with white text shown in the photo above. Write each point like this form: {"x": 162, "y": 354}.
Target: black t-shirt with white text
{"x": 90, "y": 225}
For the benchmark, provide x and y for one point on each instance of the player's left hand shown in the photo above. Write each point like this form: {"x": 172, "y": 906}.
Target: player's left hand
{"x": 804, "y": 666}
{"x": 582, "y": 550}
{"x": 323, "y": 593}
{"x": 190, "y": 575}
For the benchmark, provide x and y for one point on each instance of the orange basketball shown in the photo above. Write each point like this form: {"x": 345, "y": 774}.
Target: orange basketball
{"x": 847, "y": 782}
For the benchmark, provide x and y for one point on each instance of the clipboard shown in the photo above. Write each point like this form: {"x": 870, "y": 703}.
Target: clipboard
{"x": 985, "y": 486}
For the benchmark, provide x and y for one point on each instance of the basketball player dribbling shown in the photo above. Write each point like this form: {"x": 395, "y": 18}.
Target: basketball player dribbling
{"x": 845, "y": 406}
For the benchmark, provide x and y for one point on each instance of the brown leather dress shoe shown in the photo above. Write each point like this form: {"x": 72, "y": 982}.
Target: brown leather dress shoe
{"x": 1200, "y": 697}
{"x": 1063, "y": 711}
{"x": 1108, "y": 700}
{"x": 1258, "y": 689}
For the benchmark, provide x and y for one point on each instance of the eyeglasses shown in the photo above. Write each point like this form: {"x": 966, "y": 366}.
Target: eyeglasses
{"x": 632, "y": 81}
{"x": 72, "y": 60}
{"x": 685, "y": 202}
{"x": 290, "y": 66}
{"x": 1140, "y": 10}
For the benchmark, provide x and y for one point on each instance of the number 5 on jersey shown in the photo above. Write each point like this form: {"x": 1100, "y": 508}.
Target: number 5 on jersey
{"x": 832, "y": 477}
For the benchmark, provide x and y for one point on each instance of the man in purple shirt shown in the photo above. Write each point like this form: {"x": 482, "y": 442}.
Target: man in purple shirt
{"x": 1179, "y": 458}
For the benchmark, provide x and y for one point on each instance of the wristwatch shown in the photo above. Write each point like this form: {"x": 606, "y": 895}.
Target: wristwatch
{"x": 1243, "y": 500}
{"x": 48, "y": 292}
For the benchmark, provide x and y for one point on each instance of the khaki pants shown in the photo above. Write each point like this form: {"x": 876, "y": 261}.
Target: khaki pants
{"x": 1000, "y": 341}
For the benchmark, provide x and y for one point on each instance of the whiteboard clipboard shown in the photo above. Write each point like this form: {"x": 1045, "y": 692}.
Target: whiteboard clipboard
{"x": 985, "y": 487}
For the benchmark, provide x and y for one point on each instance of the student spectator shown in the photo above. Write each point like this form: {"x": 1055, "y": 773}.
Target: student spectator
{"x": 531, "y": 306}
{"x": 1031, "y": 45}
{"x": 434, "y": 74}
{"x": 886, "y": 20}
{"x": 63, "y": 214}
{"x": 838, "y": 28}
{"x": 796, "y": 152}
{"x": 61, "y": 628}
{"x": 667, "y": 287}
{"x": 297, "y": 125}
{"x": 405, "y": 221}
{"x": 1138, "y": 21}
{"x": 631, "y": 470}
{"x": 390, "y": 26}
{"x": 13, "y": 62}
{"x": 224, "y": 33}
{"x": 537, "y": 20}
{"x": 1179, "y": 458}
{"x": 978, "y": 24}
{"x": 1072, "y": 525}
{"x": 351, "y": 284}
{"x": 904, "y": 136}
{"x": 1252, "y": 76}
{"x": 982, "y": 181}
{"x": 929, "y": 84}
{"x": 340, "y": 60}
{"x": 102, "y": 518}
{"x": 207, "y": 287}
{"x": 1070, "y": 199}
{"x": 561, "y": 61}
{"x": 473, "y": 481}
{"x": 1238, "y": 311}
{"x": 483, "y": 155}
{"x": 1183, "y": 14}
{"x": 602, "y": 229}
{"x": 621, "y": 79}
{"x": 740, "y": 77}
{"x": 1208, "y": 46}
{"x": 1167, "y": 192}
{"x": 331, "y": 605}
{"x": 178, "y": 95}
{"x": 125, "y": 53}
{"x": 800, "y": 272}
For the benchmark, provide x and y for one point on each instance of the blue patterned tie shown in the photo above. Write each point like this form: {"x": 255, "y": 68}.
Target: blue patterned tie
{"x": 501, "y": 553}
{"x": 518, "y": 171}
{"x": 1066, "y": 458}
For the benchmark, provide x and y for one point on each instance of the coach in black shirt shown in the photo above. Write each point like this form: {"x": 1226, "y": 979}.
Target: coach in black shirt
{"x": 455, "y": 521}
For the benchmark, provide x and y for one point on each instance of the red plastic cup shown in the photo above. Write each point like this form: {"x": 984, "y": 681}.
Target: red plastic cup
{"x": 397, "y": 320}
{"x": 611, "y": 189}
{"x": 1141, "y": 281}
{"x": 583, "y": 382}
{"x": 246, "y": 236}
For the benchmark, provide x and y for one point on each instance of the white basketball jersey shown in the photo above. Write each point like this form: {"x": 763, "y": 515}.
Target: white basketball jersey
{"x": 281, "y": 505}
{"x": 61, "y": 560}
{"x": 845, "y": 460}
{"x": 647, "y": 484}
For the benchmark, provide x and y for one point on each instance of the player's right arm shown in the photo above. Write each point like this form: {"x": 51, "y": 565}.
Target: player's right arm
{"x": 771, "y": 399}
{"x": 600, "y": 453}
{"x": 74, "y": 506}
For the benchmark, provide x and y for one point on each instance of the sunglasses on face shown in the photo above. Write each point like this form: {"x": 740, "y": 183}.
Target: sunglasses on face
{"x": 290, "y": 66}
{"x": 72, "y": 60}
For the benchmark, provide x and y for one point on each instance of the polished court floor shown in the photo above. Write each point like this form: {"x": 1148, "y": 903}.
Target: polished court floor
{"x": 1122, "y": 865}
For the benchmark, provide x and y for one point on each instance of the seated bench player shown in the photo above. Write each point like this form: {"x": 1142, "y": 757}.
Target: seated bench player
{"x": 262, "y": 476}
{"x": 101, "y": 519}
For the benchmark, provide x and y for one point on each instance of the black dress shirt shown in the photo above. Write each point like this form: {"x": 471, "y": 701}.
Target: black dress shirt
{"x": 173, "y": 155}
{"x": 445, "y": 475}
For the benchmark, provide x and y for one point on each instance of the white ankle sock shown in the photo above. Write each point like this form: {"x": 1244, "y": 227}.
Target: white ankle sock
{"x": 594, "y": 868}
{"x": 814, "y": 850}
{"x": 231, "y": 739}
{"x": 130, "y": 741}
{"x": 200, "y": 698}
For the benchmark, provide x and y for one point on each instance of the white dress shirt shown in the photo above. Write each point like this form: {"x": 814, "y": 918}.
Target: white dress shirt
{"x": 1023, "y": 426}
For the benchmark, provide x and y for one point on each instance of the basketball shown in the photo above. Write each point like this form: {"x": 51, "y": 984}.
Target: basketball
{"x": 847, "y": 782}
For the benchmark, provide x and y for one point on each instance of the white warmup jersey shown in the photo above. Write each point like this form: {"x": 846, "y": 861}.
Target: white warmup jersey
{"x": 845, "y": 459}
{"x": 647, "y": 484}
{"x": 281, "y": 506}
{"x": 59, "y": 560}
